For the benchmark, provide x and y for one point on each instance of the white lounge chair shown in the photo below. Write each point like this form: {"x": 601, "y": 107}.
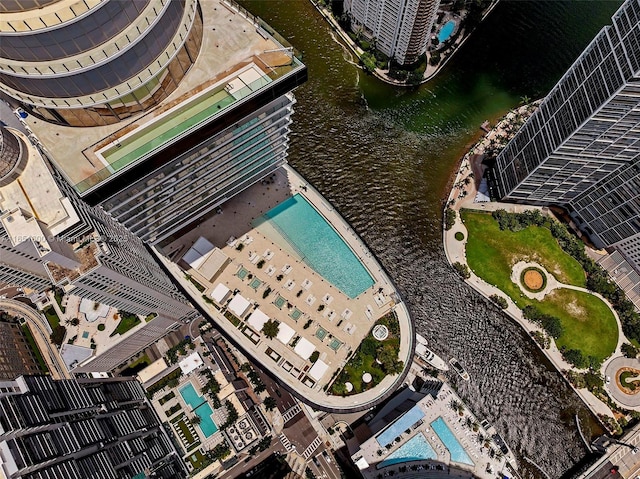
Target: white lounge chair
{"x": 327, "y": 298}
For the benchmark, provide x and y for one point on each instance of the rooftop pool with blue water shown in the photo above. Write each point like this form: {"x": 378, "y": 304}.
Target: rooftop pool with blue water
{"x": 458, "y": 454}
{"x": 446, "y": 31}
{"x": 201, "y": 407}
{"x": 415, "y": 449}
{"x": 319, "y": 245}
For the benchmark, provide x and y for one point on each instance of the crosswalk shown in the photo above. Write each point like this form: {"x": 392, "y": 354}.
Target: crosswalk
{"x": 290, "y": 413}
{"x": 311, "y": 448}
{"x": 285, "y": 442}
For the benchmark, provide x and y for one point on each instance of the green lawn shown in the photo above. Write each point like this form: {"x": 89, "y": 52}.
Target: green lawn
{"x": 52, "y": 317}
{"x": 196, "y": 459}
{"x": 497, "y": 251}
{"x": 58, "y": 295}
{"x": 355, "y": 368}
{"x": 589, "y": 324}
{"x": 364, "y": 359}
{"x": 192, "y": 442}
{"x": 127, "y": 322}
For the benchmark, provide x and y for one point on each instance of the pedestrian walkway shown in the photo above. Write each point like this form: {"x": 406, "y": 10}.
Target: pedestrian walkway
{"x": 290, "y": 413}
{"x": 286, "y": 443}
{"x": 311, "y": 448}
{"x": 462, "y": 196}
{"x": 631, "y": 401}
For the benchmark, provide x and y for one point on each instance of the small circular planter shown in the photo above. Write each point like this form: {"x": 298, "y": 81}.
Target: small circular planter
{"x": 459, "y": 235}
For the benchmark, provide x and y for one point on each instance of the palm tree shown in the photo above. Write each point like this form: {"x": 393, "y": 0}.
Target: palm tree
{"x": 195, "y": 419}
{"x": 524, "y": 100}
{"x": 271, "y": 328}
{"x": 270, "y": 403}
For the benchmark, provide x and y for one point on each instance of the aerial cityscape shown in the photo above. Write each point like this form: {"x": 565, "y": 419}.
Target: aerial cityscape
{"x": 319, "y": 239}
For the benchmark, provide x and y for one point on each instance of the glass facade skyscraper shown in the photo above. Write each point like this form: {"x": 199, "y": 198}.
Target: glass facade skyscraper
{"x": 581, "y": 148}
{"x": 82, "y": 428}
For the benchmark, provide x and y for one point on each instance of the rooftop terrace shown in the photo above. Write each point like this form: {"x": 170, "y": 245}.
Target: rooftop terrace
{"x": 36, "y": 192}
{"x": 240, "y": 56}
{"x": 267, "y": 278}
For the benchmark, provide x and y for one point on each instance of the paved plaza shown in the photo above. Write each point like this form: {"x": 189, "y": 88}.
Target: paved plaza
{"x": 612, "y": 370}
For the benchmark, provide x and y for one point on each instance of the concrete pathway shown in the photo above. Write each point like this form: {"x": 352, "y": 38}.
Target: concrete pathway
{"x": 462, "y": 196}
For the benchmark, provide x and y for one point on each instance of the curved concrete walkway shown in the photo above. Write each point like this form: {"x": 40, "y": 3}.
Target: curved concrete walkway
{"x": 552, "y": 284}
{"x": 454, "y": 251}
{"x": 631, "y": 401}
{"x": 462, "y": 196}
{"x": 40, "y": 329}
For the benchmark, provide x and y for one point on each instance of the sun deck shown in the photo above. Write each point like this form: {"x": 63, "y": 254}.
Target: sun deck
{"x": 148, "y": 138}
{"x": 239, "y": 57}
{"x": 267, "y": 279}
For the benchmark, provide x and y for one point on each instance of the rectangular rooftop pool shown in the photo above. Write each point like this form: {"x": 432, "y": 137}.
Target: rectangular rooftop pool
{"x": 319, "y": 245}
{"x": 458, "y": 454}
{"x": 201, "y": 407}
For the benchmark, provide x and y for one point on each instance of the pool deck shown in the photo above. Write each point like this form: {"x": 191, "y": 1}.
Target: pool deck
{"x": 434, "y": 408}
{"x": 350, "y": 329}
{"x": 206, "y": 443}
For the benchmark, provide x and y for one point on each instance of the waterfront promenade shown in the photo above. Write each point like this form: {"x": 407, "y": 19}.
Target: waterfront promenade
{"x": 431, "y": 70}
{"x": 462, "y": 196}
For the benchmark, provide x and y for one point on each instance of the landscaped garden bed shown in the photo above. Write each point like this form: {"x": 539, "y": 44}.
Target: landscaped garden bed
{"x": 373, "y": 357}
{"x": 127, "y": 321}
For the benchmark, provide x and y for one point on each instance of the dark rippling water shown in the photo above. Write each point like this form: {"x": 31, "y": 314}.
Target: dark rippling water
{"x": 383, "y": 157}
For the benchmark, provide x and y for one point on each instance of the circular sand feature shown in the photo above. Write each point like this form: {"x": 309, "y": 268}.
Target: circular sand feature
{"x": 533, "y": 279}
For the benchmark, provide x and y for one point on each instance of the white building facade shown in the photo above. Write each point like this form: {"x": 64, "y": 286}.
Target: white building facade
{"x": 400, "y": 28}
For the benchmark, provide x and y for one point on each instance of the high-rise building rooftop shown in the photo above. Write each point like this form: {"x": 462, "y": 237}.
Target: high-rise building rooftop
{"x": 581, "y": 149}
{"x": 73, "y": 429}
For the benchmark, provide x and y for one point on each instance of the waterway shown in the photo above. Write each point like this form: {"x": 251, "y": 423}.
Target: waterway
{"x": 384, "y": 156}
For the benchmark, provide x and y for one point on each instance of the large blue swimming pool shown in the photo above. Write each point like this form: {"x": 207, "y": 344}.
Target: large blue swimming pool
{"x": 201, "y": 407}
{"x": 458, "y": 454}
{"x": 319, "y": 245}
{"x": 415, "y": 449}
{"x": 446, "y": 31}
